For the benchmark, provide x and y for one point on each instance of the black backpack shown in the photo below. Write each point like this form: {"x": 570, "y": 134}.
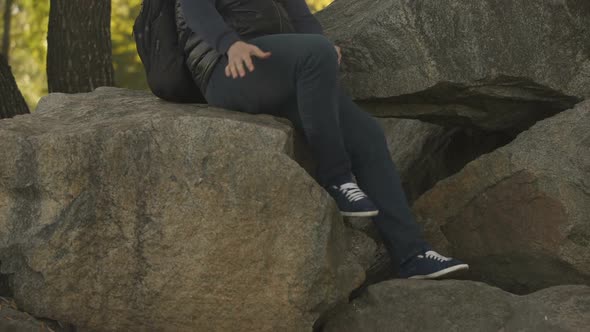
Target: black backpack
{"x": 162, "y": 54}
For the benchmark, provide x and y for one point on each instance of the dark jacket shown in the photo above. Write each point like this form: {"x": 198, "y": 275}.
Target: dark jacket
{"x": 214, "y": 25}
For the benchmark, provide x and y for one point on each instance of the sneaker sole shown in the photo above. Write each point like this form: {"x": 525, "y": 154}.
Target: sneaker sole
{"x": 441, "y": 273}
{"x": 360, "y": 214}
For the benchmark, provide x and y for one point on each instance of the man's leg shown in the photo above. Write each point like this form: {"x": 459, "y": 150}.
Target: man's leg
{"x": 377, "y": 175}
{"x": 302, "y": 71}
{"x": 302, "y": 68}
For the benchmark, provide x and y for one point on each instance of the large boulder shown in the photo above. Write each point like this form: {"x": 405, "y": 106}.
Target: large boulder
{"x": 521, "y": 214}
{"x": 404, "y": 305}
{"x": 122, "y": 212}
{"x": 492, "y": 64}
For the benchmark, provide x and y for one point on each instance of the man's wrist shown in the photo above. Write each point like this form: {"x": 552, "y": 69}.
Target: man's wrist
{"x": 226, "y": 41}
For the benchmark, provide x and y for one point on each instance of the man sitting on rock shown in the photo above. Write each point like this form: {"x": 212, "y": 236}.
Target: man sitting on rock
{"x": 297, "y": 77}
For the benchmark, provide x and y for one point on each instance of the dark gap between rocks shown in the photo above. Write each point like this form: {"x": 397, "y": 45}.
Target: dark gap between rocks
{"x": 509, "y": 104}
{"x": 6, "y": 283}
{"x": 5, "y": 290}
{"x": 447, "y": 154}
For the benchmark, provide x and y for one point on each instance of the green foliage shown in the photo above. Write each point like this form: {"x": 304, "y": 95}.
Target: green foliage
{"x": 317, "y": 5}
{"x": 129, "y": 71}
{"x": 28, "y": 47}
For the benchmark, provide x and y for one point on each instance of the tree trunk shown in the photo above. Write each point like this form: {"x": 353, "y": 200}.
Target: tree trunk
{"x": 79, "y": 54}
{"x": 6, "y": 31}
{"x": 12, "y": 101}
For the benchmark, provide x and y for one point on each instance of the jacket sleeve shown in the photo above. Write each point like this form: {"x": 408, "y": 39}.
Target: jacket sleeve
{"x": 302, "y": 18}
{"x": 203, "y": 18}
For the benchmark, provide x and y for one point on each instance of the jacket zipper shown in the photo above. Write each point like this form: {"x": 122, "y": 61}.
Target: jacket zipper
{"x": 279, "y": 14}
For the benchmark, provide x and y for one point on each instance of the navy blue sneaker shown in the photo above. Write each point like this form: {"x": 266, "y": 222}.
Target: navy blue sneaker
{"x": 352, "y": 201}
{"x": 430, "y": 265}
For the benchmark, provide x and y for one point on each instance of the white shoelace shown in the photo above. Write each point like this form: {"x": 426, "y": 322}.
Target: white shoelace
{"x": 351, "y": 191}
{"x": 436, "y": 256}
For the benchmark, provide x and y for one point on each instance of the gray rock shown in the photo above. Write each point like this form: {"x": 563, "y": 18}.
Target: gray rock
{"x": 363, "y": 248}
{"x": 405, "y": 305}
{"x": 521, "y": 214}
{"x": 122, "y": 212}
{"x": 14, "y": 320}
{"x": 490, "y": 64}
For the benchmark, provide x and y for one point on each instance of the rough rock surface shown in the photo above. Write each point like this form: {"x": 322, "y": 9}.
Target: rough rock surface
{"x": 492, "y": 64}
{"x": 14, "y": 320}
{"x": 404, "y": 305}
{"x": 521, "y": 214}
{"x": 121, "y": 212}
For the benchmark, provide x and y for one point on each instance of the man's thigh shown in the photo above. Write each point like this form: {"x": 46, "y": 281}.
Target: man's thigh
{"x": 358, "y": 127}
{"x": 271, "y": 83}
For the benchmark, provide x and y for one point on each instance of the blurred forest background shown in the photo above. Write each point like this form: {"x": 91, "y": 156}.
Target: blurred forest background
{"x": 25, "y": 44}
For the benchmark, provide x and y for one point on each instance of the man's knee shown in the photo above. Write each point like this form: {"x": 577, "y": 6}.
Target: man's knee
{"x": 319, "y": 46}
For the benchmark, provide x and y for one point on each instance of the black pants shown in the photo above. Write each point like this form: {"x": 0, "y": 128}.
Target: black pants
{"x": 300, "y": 81}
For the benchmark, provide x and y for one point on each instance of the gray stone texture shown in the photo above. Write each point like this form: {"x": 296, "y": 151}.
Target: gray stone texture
{"x": 497, "y": 65}
{"x": 422, "y": 306}
{"x": 122, "y": 212}
{"x": 520, "y": 215}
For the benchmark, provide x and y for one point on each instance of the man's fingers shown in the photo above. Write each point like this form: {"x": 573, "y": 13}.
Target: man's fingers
{"x": 243, "y": 57}
{"x": 259, "y": 53}
{"x": 234, "y": 71}
{"x": 249, "y": 64}
{"x": 240, "y": 66}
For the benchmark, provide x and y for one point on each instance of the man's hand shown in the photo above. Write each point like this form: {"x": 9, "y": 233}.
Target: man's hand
{"x": 239, "y": 53}
{"x": 339, "y": 53}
